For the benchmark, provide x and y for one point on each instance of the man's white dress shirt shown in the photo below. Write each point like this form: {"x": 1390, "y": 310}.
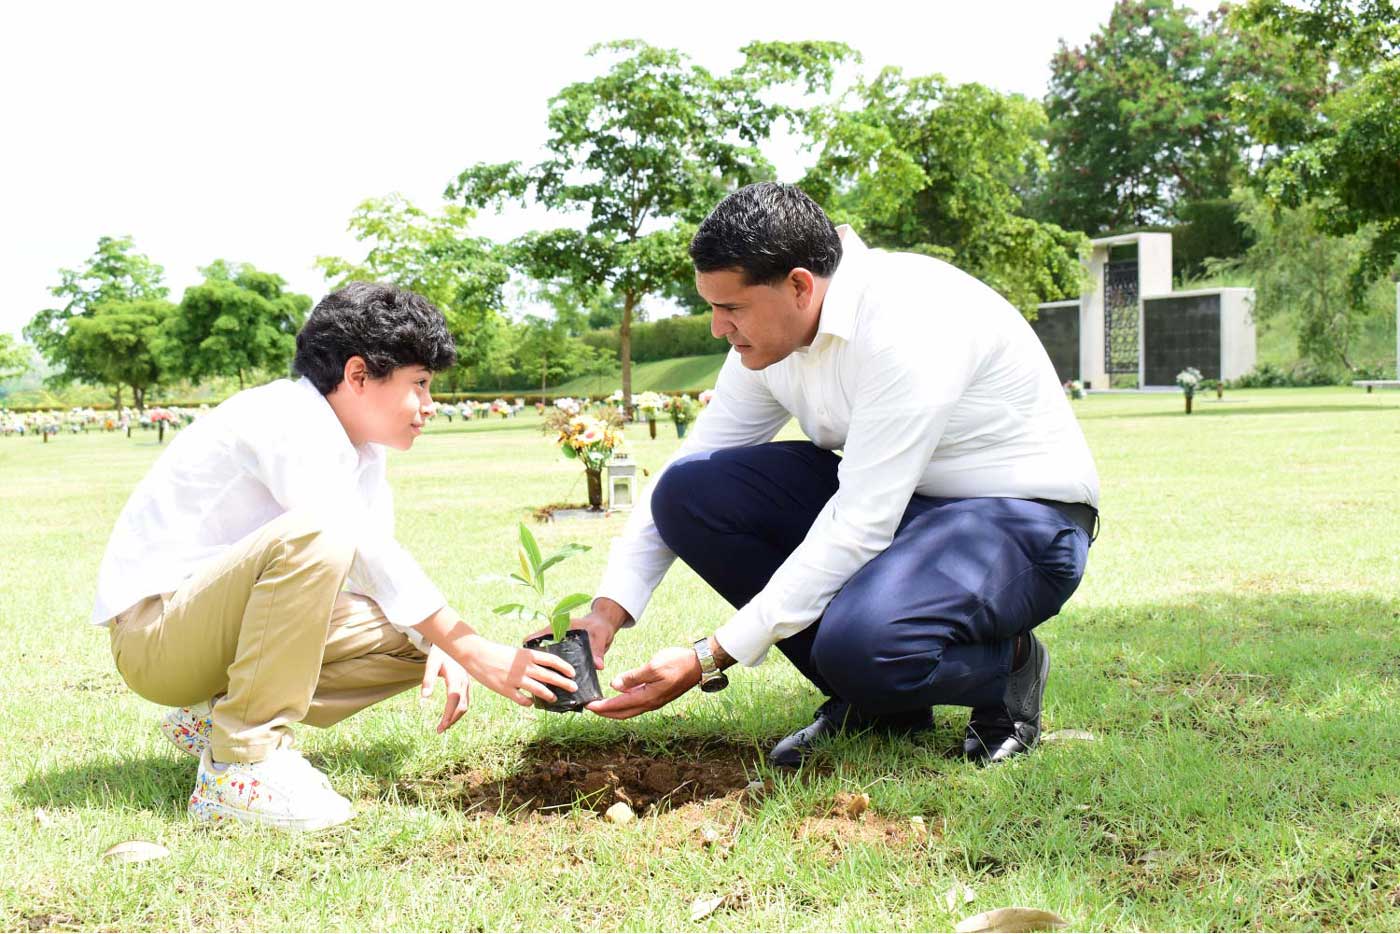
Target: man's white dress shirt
{"x": 928, "y": 382}
{"x": 262, "y": 453}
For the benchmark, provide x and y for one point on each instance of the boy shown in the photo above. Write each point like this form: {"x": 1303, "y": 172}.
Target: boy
{"x": 254, "y": 569}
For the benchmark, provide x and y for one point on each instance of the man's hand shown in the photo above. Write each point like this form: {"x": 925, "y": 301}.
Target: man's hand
{"x": 440, "y": 664}
{"x": 602, "y": 624}
{"x": 513, "y": 672}
{"x": 670, "y": 673}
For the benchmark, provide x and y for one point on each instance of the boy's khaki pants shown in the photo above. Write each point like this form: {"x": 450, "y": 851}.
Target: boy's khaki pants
{"x": 267, "y": 626}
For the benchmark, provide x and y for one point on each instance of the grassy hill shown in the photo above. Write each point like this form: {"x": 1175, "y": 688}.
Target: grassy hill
{"x": 676, "y": 374}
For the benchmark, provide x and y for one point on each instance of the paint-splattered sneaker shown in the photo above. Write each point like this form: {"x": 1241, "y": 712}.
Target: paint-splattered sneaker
{"x": 283, "y": 791}
{"x": 189, "y": 729}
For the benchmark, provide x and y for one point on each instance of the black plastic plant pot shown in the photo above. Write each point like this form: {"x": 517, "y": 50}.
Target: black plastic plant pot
{"x": 576, "y": 650}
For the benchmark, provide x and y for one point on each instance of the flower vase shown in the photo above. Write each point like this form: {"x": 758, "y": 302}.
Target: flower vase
{"x": 595, "y": 487}
{"x": 1188, "y": 405}
{"x": 651, "y": 427}
{"x": 680, "y": 429}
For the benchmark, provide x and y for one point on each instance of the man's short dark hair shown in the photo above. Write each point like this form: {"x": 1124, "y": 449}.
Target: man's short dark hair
{"x": 388, "y": 326}
{"x": 766, "y": 231}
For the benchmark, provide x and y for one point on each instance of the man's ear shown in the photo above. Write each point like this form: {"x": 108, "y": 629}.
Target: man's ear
{"x": 803, "y": 286}
{"x": 355, "y": 374}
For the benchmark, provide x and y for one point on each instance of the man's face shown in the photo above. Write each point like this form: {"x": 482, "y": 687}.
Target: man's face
{"x": 393, "y": 409}
{"x": 764, "y": 323}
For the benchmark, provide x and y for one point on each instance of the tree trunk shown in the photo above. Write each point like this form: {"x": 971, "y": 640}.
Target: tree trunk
{"x": 624, "y": 349}
{"x": 240, "y": 379}
{"x": 117, "y": 400}
{"x": 544, "y": 375}
{"x": 139, "y": 395}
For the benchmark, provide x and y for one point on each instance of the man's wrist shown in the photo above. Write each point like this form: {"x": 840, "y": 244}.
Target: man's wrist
{"x": 722, "y": 658}
{"x": 611, "y": 612}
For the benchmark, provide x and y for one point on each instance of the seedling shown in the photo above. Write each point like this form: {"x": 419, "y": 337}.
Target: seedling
{"x": 572, "y": 645}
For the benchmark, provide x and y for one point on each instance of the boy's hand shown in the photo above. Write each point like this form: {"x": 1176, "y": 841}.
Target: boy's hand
{"x": 440, "y": 664}
{"x": 515, "y": 673}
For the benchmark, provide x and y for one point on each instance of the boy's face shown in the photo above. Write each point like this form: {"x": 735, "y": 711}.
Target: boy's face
{"x": 389, "y": 411}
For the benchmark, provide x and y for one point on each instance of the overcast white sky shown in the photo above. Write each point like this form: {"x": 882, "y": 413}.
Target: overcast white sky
{"x": 250, "y": 131}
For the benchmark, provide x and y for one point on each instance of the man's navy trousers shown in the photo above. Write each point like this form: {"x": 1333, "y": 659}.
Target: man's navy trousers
{"x": 931, "y": 620}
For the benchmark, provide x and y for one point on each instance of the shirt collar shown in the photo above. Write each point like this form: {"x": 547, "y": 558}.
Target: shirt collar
{"x": 329, "y": 423}
{"x": 838, "y": 318}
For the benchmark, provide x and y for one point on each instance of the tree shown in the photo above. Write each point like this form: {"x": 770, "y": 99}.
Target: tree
{"x": 238, "y": 321}
{"x": 432, "y": 254}
{"x": 1298, "y": 269}
{"x": 1139, "y": 119}
{"x": 642, "y": 152}
{"x": 114, "y": 273}
{"x": 545, "y": 348}
{"x": 14, "y": 358}
{"x": 1347, "y": 160}
{"x": 117, "y": 342}
{"x": 918, "y": 164}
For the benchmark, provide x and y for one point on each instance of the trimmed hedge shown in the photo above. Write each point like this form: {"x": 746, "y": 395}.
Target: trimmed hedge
{"x": 679, "y": 336}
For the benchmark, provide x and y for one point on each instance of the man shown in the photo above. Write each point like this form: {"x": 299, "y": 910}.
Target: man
{"x": 255, "y": 567}
{"x": 906, "y": 573}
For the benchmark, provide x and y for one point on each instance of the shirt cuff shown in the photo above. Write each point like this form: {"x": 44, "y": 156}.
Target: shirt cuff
{"x": 627, "y": 589}
{"x": 406, "y": 610}
{"x": 745, "y": 638}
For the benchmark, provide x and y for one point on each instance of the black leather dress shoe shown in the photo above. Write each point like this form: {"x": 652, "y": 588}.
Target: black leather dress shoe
{"x": 836, "y": 716}
{"x": 995, "y": 734}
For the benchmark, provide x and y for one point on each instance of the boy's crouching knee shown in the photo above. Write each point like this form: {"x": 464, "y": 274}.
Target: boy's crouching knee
{"x": 315, "y": 538}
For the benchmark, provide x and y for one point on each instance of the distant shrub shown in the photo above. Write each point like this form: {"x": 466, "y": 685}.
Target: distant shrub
{"x": 679, "y": 336}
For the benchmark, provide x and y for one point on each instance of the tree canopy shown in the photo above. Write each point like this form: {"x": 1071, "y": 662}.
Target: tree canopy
{"x": 639, "y": 155}
{"x": 238, "y": 321}
{"x": 919, "y": 164}
{"x": 117, "y": 342}
{"x": 114, "y": 273}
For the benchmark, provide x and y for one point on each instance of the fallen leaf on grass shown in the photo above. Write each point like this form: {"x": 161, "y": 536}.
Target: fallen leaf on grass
{"x": 42, "y": 818}
{"x": 1011, "y": 920}
{"x": 702, "y": 908}
{"x": 851, "y": 805}
{"x": 960, "y": 893}
{"x": 136, "y": 851}
{"x": 1060, "y": 736}
{"x": 917, "y": 825}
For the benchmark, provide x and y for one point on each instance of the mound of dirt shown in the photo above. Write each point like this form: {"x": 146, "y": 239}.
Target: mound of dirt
{"x": 597, "y": 777}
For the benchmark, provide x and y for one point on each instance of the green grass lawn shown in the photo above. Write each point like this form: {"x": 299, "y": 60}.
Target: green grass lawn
{"x": 1232, "y": 649}
{"x": 678, "y": 374}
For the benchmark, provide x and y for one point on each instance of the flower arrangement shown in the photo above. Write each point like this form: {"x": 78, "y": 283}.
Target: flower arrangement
{"x": 502, "y": 408}
{"x": 589, "y": 439}
{"x": 1074, "y": 389}
{"x": 651, "y": 404}
{"x": 568, "y": 405}
{"x": 1188, "y": 379}
{"x": 683, "y": 410}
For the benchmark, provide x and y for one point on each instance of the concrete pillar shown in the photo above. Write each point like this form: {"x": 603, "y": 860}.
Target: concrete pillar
{"x": 1092, "y": 365}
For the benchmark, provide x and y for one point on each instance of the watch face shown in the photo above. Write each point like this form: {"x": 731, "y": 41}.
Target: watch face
{"x": 717, "y": 683}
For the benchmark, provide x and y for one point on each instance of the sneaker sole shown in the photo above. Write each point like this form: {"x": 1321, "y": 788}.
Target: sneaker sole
{"x": 205, "y": 811}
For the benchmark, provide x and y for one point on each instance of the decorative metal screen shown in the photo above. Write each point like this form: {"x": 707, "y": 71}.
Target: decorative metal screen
{"x": 1120, "y": 316}
{"x": 1058, "y": 330}
{"x": 1181, "y": 332}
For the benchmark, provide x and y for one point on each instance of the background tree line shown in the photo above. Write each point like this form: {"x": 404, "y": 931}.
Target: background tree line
{"x": 1262, "y": 136}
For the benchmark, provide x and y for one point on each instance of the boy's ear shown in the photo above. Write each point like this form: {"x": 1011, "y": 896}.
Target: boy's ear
{"x": 355, "y": 374}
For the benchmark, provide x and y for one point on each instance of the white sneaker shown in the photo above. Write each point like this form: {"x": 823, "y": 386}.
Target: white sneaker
{"x": 189, "y": 729}
{"x": 283, "y": 791}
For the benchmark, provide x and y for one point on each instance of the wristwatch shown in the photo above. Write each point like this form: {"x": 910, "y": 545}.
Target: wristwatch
{"x": 711, "y": 678}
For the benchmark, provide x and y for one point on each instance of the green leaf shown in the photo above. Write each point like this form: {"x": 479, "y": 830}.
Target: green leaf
{"x": 569, "y": 453}
{"x": 571, "y": 602}
{"x": 568, "y": 551}
{"x": 532, "y": 549}
{"x": 505, "y": 608}
{"x": 522, "y": 580}
{"x": 527, "y": 578}
{"x": 559, "y": 626}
